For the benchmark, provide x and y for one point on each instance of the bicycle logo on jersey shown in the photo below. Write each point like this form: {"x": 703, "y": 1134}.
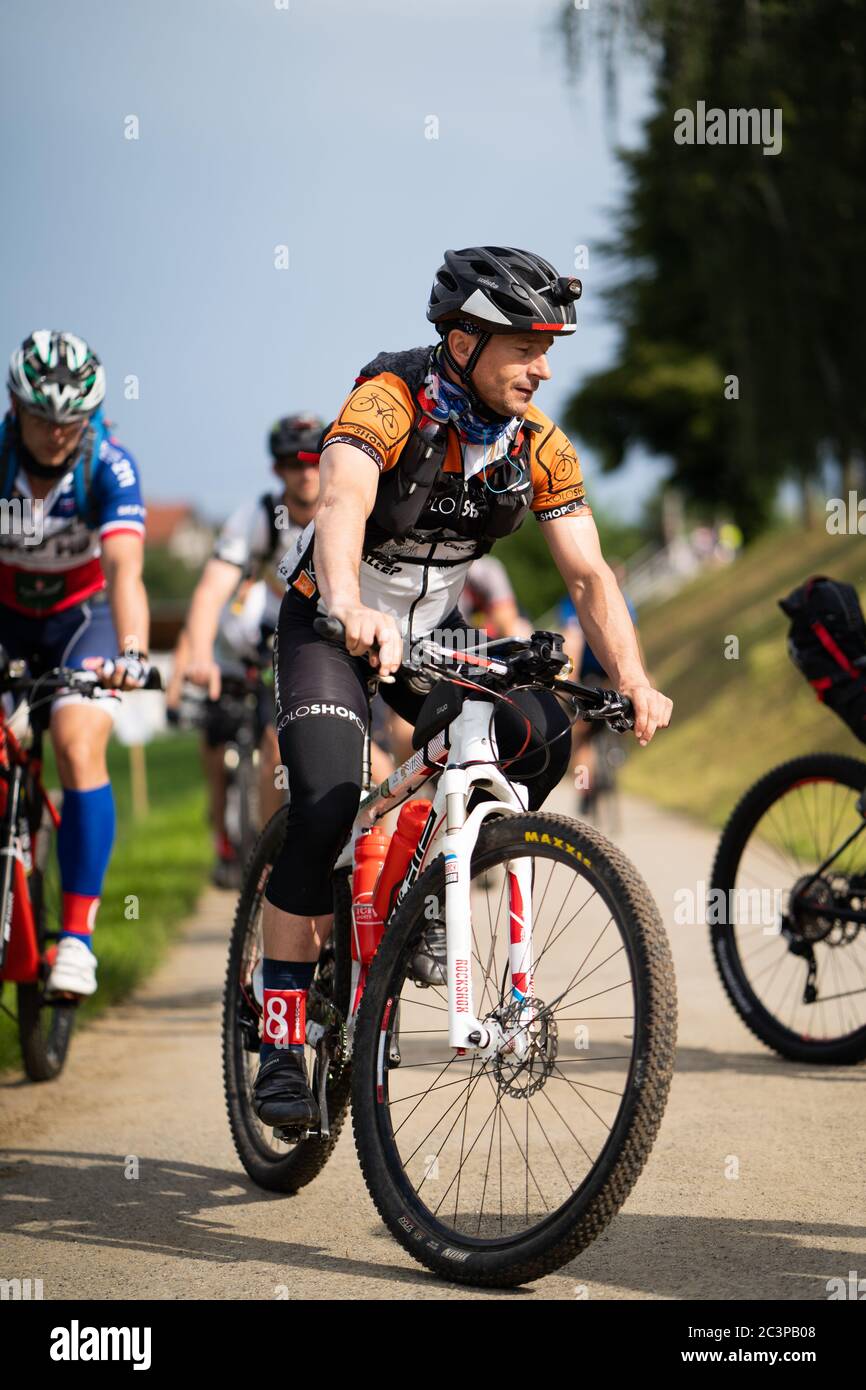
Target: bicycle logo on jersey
{"x": 564, "y": 466}
{"x": 384, "y": 409}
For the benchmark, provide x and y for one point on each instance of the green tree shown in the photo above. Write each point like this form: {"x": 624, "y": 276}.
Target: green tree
{"x": 733, "y": 263}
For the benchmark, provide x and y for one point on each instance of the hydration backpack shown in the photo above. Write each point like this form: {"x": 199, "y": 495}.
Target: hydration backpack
{"x": 827, "y": 642}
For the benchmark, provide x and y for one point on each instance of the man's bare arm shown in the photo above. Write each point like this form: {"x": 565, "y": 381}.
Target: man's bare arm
{"x": 604, "y": 617}
{"x": 213, "y": 591}
{"x": 347, "y": 494}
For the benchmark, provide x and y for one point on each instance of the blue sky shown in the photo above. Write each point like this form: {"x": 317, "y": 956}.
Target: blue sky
{"x": 304, "y": 127}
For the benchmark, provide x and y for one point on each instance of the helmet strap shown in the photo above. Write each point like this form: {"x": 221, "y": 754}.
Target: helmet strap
{"x": 465, "y": 373}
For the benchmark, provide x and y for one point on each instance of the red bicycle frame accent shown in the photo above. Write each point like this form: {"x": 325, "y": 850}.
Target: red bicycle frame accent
{"x": 20, "y": 960}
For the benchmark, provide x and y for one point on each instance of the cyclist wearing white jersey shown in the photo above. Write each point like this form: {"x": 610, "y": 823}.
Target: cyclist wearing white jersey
{"x": 236, "y": 604}
{"x": 489, "y": 602}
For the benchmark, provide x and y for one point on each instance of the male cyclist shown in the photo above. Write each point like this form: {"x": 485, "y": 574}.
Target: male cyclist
{"x": 435, "y": 454}
{"x": 239, "y": 592}
{"x": 69, "y": 589}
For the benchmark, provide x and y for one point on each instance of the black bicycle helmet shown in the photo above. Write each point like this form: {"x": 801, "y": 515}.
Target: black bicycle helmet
{"x": 502, "y": 290}
{"x": 295, "y": 434}
{"x": 498, "y": 289}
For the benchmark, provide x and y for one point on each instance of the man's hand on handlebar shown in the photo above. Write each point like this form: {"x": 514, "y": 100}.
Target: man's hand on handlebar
{"x": 372, "y": 634}
{"x": 652, "y": 709}
{"x": 201, "y": 669}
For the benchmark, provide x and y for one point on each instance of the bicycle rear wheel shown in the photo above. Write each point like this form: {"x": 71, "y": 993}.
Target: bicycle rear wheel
{"x": 796, "y": 975}
{"x": 45, "y": 1025}
{"x": 266, "y": 1158}
{"x": 492, "y": 1171}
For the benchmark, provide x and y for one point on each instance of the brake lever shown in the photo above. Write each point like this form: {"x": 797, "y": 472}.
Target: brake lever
{"x": 621, "y": 722}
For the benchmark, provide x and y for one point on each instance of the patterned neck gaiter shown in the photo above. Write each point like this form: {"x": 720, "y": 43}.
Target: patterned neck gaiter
{"x": 453, "y": 402}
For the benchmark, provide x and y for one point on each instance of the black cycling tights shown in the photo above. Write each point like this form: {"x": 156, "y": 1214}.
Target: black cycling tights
{"x": 322, "y": 713}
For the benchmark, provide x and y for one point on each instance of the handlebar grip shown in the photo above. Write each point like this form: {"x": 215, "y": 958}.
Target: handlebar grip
{"x": 154, "y": 680}
{"x": 334, "y": 631}
{"x": 331, "y": 628}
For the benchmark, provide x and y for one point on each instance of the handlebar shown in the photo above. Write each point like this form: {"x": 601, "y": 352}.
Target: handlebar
{"x": 65, "y": 678}
{"x": 334, "y": 631}
{"x": 330, "y": 628}
{"x": 536, "y": 660}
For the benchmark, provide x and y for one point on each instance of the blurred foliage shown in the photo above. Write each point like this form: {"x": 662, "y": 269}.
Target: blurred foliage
{"x": 166, "y": 576}
{"x": 729, "y": 261}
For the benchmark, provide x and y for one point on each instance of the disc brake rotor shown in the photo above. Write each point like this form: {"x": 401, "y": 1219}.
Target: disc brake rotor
{"x": 523, "y": 1076}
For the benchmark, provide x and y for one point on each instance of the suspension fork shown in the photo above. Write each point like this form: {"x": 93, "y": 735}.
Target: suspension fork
{"x": 466, "y": 1032}
{"x": 520, "y": 958}
{"x": 520, "y": 953}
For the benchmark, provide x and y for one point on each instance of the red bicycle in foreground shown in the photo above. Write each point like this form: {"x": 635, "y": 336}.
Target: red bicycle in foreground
{"x": 31, "y": 898}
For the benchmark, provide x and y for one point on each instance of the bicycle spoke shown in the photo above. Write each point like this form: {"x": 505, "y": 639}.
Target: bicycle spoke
{"x": 520, "y": 1151}
{"x": 462, "y": 1147}
{"x": 578, "y": 1086}
{"x": 434, "y": 1087}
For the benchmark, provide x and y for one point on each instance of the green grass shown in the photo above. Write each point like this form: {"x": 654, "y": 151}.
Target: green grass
{"x": 158, "y": 868}
{"x": 735, "y": 718}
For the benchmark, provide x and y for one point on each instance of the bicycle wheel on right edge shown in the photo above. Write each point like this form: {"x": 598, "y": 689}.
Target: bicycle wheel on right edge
{"x": 796, "y": 974}
{"x": 496, "y": 1172}
{"x": 270, "y": 1161}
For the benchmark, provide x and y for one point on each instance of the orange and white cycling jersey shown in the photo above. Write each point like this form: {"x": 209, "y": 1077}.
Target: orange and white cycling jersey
{"x": 418, "y": 576}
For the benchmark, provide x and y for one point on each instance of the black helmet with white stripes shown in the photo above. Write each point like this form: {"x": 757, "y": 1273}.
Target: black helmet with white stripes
{"x": 498, "y": 289}
{"x": 57, "y": 376}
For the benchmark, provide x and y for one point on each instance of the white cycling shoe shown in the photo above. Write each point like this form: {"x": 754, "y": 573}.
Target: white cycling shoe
{"x": 74, "y": 969}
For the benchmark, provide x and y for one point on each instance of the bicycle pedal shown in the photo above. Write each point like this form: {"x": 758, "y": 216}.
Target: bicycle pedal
{"x": 292, "y": 1136}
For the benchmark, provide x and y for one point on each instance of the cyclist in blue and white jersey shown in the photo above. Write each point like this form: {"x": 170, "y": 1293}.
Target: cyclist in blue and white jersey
{"x": 71, "y": 548}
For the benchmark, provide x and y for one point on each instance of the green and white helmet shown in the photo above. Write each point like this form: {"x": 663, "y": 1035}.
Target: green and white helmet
{"x": 57, "y": 376}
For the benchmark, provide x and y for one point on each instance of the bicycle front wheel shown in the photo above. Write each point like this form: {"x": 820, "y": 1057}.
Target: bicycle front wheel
{"x": 495, "y": 1171}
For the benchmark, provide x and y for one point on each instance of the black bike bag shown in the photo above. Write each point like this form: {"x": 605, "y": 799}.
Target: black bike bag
{"x": 827, "y": 643}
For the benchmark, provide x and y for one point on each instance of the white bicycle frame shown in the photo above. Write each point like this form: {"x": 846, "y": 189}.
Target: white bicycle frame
{"x": 453, "y": 833}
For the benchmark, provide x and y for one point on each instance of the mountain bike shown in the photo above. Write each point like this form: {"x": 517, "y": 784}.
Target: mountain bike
{"x": 498, "y": 1138}
{"x": 31, "y": 899}
{"x": 788, "y": 912}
